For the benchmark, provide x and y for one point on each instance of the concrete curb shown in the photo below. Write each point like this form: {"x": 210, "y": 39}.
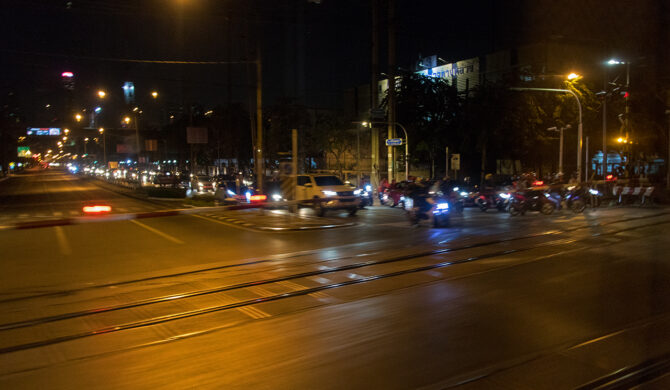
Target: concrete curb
{"x": 158, "y": 214}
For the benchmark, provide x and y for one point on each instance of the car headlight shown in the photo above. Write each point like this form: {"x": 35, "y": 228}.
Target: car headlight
{"x": 229, "y": 192}
{"x": 357, "y": 192}
{"x": 329, "y": 193}
{"x": 463, "y": 193}
{"x": 276, "y": 197}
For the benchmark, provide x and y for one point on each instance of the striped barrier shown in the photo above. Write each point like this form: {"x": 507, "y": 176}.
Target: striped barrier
{"x": 628, "y": 194}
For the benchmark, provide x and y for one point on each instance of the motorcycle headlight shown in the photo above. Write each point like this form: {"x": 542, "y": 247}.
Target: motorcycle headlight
{"x": 456, "y": 189}
{"x": 229, "y": 192}
{"x": 505, "y": 196}
{"x": 463, "y": 193}
{"x": 329, "y": 193}
{"x": 276, "y": 197}
{"x": 357, "y": 192}
{"x": 593, "y": 191}
{"x": 547, "y": 195}
{"x": 368, "y": 188}
{"x": 443, "y": 206}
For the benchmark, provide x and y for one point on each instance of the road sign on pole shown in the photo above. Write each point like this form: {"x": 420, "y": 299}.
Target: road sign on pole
{"x": 456, "y": 161}
{"x": 394, "y": 142}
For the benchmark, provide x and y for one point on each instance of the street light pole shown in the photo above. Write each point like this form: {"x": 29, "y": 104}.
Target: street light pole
{"x": 579, "y": 129}
{"x": 406, "y": 143}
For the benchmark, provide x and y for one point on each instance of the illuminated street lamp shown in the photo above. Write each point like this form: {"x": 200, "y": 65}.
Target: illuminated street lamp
{"x": 66, "y": 131}
{"x": 126, "y": 120}
{"x": 154, "y": 94}
{"x": 78, "y": 117}
{"x": 573, "y": 76}
{"x": 102, "y": 94}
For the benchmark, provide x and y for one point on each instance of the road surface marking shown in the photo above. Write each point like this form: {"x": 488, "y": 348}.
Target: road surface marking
{"x": 223, "y": 223}
{"x": 62, "y": 241}
{"x": 298, "y": 287}
{"x": 253, "y": 312}
{"x": 261, "y": 291}
{"x": 58, "y": 214}
{"x": 122, "y": 209}
{"x": 73, "y": 212}
{"x": 156, "y": 231}
{"x": 23, "y": 215}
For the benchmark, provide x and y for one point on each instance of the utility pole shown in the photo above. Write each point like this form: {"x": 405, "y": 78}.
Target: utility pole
{"x": 259, "y": 120}
{"x": 137, "y": 137}
{"x": 391, "y": 87}
{"x": 605, "y": 124}
{"x": 374, "y": 103}
{"x": 586, "y": 161}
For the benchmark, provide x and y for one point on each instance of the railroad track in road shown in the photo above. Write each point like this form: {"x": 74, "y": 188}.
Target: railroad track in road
{"x": 71, "y": 291}
{"x": 76, "y": 325}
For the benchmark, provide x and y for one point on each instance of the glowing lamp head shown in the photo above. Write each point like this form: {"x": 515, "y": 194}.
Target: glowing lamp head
{"x": 68, "y": 75}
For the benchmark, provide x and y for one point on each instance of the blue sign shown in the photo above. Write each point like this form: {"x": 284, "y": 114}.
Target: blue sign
{"x": 394, "y": 142}
{"x": 43, "y": 131}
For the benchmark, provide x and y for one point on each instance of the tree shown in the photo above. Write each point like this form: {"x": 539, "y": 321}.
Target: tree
{"x": 430, "y": 109}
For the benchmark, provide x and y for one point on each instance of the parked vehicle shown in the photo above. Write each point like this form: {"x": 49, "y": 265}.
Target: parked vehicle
{"x": 493, "y": 200}
{"x": 202, "y": 183}
{"x": 326, "y": 192}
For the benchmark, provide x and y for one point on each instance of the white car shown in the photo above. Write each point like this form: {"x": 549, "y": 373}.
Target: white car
{"x": 326, "y": 192}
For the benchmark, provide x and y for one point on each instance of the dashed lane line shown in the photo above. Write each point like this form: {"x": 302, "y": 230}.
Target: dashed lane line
{"x": 158, "y": 232}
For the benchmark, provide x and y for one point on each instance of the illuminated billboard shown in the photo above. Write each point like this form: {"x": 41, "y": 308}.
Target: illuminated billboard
{"x": 55, "y": 131}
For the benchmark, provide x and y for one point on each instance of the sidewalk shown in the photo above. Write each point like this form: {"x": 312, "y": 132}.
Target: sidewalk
{"x": 279, "y": 220}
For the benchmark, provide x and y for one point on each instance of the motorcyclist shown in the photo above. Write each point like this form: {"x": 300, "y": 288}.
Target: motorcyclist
{"x": 422, "y": 201}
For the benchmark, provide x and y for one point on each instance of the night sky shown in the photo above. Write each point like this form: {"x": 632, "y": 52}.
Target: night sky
{"x": 311, "y": 51}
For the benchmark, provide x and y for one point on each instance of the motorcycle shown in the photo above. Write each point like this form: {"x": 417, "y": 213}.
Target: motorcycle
{"x": 436, "y": 210}
{"x": 498, "y": 201}
{"x": 532, "y": 200}
{"x": 578, "y": 197}
{"x": 365, "y": 194}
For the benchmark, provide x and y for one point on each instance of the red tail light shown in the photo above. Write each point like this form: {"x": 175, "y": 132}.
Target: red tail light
{"x": 538, "y": 183}
{"x": 97, "y": 209}
{"x": 258, "y": 198}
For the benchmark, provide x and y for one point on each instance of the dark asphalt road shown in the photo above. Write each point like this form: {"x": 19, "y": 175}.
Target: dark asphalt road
{"x": 190, "y": 301}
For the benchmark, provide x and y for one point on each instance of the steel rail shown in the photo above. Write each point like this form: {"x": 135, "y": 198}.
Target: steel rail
{"x": 212, "y": 309}
{"x": 427, "y": 253}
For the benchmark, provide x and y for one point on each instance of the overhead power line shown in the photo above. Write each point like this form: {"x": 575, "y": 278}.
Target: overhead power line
{"x": 110, "y": 59}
